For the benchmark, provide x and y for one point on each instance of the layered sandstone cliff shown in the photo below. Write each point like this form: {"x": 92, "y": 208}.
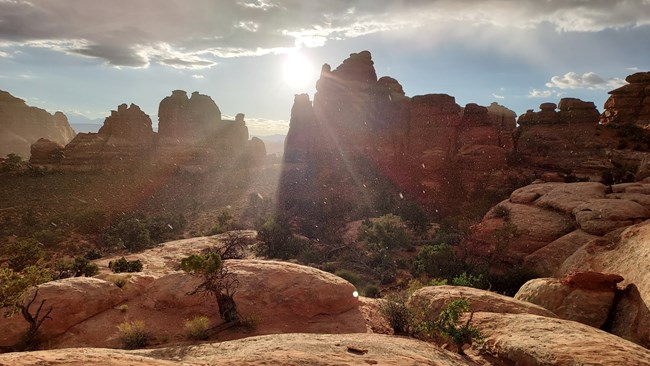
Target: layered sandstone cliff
{"x": 22, "y": 125}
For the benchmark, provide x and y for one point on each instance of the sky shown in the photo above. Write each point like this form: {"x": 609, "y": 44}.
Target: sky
{"x": 85, "y": 57}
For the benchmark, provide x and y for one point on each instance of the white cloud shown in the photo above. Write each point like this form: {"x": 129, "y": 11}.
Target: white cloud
{"x": 497, "y": 96}
{"x": 197, "y": 76}
{"x": 540, "y": 93}
{"x": 588, "y": 80}
{"x": 264, "y": 126}
{"x": 195, "y": 34}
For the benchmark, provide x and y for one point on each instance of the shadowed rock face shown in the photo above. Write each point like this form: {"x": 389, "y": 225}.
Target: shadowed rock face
{"x": 362, "y": 134}
{"x": 22, "y": 125}
{"x": 629, "y": 104}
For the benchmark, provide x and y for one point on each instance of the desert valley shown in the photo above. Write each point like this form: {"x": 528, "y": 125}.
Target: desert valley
{"x": 394, "y": 230}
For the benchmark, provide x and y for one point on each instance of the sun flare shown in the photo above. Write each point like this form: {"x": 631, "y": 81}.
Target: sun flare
{"x": 298, "y": 70}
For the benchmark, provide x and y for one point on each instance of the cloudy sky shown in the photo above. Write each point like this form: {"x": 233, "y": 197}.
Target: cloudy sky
{"x": 252, "y": 56}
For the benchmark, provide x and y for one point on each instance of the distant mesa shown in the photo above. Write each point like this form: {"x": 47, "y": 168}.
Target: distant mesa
{"x": 192, "y": 135}
{"x": 22, "y": 125}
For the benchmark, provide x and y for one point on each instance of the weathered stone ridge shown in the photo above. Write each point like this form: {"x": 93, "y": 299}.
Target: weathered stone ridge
{"x": 629, "y": 104}
{"x": 22, "y": 125}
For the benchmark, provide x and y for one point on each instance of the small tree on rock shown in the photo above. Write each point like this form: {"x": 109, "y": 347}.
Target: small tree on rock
{"x": 217, "y": 280}
{"x": 15, "y": 297}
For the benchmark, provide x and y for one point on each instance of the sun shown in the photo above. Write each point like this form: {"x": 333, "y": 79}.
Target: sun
{"x": 298, "y": 70}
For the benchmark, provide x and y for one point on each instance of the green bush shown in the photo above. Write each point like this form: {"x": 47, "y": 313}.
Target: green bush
{"x": 225, "y": 222}
{"x": 349, "y": 276}
{"x": 501, "y": 211}
{"x": 130, "y": 233}
{"x": 399, "y": 316}
{"x": 372, "y": 291}
{"x": 77, "y": 267}
{"x": 448, "y": 324}
{"x": 277, "y": 241}
{"x": 133, "y": 334}
{"x": 198, "y": 327}
{"x": 138, "y": 232}
{"x": 387, "y": 232}
{"x": 439, "y": 261}
{"x": 123, "y": 265}
{"x": 23, "y": 253}
{"x": 470, "y": 280}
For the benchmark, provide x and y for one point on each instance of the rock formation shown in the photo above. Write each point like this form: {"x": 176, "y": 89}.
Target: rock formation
{"x": 124, "y": 140}
{"x": 192, "y": 136}
{"x": 560, "y": 228}
{"x": 585, "y": 297}
{"x": 22, "y": 125}
{"x": 629, "y": 104}
{"x": 46, "y": 153}
{"x": 366, "y": 131}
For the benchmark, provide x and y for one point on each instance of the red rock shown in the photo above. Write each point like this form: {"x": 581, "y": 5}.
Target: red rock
{"x": 639, "y": 77}
{"x": 548, "y": 107}
{"x": 585, "y": 297}
{"x": 46, "y": 153}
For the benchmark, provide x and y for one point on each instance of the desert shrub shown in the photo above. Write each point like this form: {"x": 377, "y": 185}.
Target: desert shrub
{"x": 23, "y": 253}
{"x": 437, "y": 282}
{"x": 225, "y": 222}
{"x": 250, "y": 323}
{"x": 349, "y": 276}
{"x": 394, "y": 309}
{"x": 130, "y": 233}
{"x": 138, "y": 232}
{"x": 439, "y": 261}
{"x": 470, "y": 280}
{"x": 620, "y": 173}
{"x": 198, "y": 327}
{"x": 123, "y": 308}
{"x": 415, "y": 217}
{"x": 76, "y": 267}
{"x": 389, "y": 232}
{"x": 119, "y": 281}
{"x": 123, "y": 265}
{"x": 277, "y": 241}
{"x": 371, "y": 291}
{"x": 448, "y": 325}
{"x": 163, "y": 227}
{"x": 13, "y": 164}
{"x": 92, "y": 254}
{"x": 133, "y": 334}
{"x": 501, "y": 211}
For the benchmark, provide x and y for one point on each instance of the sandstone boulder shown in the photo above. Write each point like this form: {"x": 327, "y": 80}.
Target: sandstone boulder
{"x": 436, "y": 298}
{"x": 625, "y": 253}
{"x": 526, "y": 339}
{"x": 279, "y": 349}
{"x": 46, "y": 153}
{"x": 547, "y": 260}
{"x": 566, "y": 197}
{"x": 600, "y": 216}
{"x": 585, "y": 297}
{"x": 73, "y": 301}
{"x": 525, "y": 230}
